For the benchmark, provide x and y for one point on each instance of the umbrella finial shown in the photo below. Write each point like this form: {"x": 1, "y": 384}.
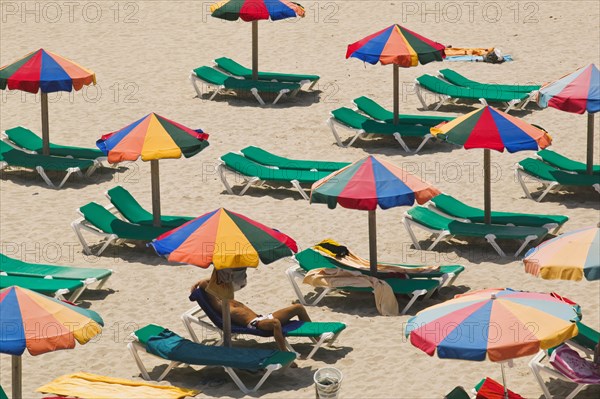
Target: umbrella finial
{"x": 493, "y": 296}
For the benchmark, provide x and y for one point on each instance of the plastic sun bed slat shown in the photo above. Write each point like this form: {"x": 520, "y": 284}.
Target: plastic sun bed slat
{"x": 443, "y": 227}
{"x": 563, "y": 163}
{"x": 376, "y": 111}
{"x": 363, "y": 125}
{"x": 266, "y": 158}
{"x": 551, "y": 178}
{"x": 220, "y": 81}
{"x": 253, "y": 173}
{"x": 203, "y": 355}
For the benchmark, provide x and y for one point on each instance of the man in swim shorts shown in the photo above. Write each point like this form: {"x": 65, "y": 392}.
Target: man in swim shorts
{"x": 244, "y": 316}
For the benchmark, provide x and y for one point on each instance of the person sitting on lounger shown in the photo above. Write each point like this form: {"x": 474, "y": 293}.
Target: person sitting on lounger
{"x": 244, "y": 316}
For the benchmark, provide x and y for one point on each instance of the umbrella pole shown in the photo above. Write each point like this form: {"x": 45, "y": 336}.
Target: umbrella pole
{"x": 45, "y": 126}
{"x": 255, "y": 50}
{"x": 590, "y": 144}
{"x": 373, "y": 242}
{"x": 487, "y": 186}
{"x": 155, "y": 178}
{"x": 396, "y": 94}
{"x": 16, "y": 377}
{"x": 504, "y": 381}
{"x": 226, "y": 322}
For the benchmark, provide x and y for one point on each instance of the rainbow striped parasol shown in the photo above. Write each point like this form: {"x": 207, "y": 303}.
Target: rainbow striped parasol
{"x": 47, "y": 72}
{"x": 40, "y": 324}
{"x": 151, "y": 138}
{"x": 577, "y": 92}
{"x": 491, "y": 129}
{"x": 399, "y": 46}
{"x": 253, "y": 11}
{"x": 368, "y": 183}
{"x": 570, "y": 256}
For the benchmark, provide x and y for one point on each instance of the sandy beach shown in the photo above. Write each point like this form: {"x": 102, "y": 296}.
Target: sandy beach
{"x": 142, "y": 53}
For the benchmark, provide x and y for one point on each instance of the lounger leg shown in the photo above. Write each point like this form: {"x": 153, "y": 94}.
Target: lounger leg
{"x": 519, "y": 176}
{"x": 356, "y": 136}
{"x": 296, "y": 185}
{"x": 417, "y": 88}
{"x": 76, "y": 226}
{"x": 292, "y": 272}
{"x": 597, "y": 187}
{"x": 76, "y": 294}
{"x": 425, "y": 140}
{"x": 483, "y": 102}
{"x": 103, "y": 282}
{"x": 491, "y": 238}
{"x": 551, "y": 186}
{"x": 109, "y": 241}
{"x": 313, "y": 84}
{"x": 439, "y": 238}
{"x": 536, "y": 371}
{"x": 416, "y": 294}
{"x": 451, "y": 279}
{"x": 443, "y": 99}
{"x": 398, "y": 138}
{"x": 170, "y": 367}
{"x": 318, "y": 344}
{"x": 251, "y": 182}
{"x": 221, "y": 169}
{"x": 408, "y": 226}
{"x": 577, "y": 389}
{"x": 242, "y": 386}
{"x": 528, "y": 239}
{"x": 254, "y": 91}
{"x": 511, "y": 104}
{"x": 193, "y": 79}
{"x": 293, "y": 94}
{"x": 334, "y": 131}
{"x": 132, "y": 346}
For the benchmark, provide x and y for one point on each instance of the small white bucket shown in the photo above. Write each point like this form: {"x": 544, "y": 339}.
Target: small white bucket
{"x": 328, "y": 382}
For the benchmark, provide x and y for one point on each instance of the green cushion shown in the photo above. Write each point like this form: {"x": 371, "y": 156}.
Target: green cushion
{"x": 458, "y": 393}
{"x": 440, "y": 86}
{"x": 247, "y": 167}
{"x": 458, "y": 209}
{"x": 376, "y": 111}
{"x": 135, "y": 213}
{"x": 41, "y": 285}
{"x": 316, "y": 329}
{"x": 217, "y": 78}
{"x": 232, "y": 67}
{"x": 561, "y": 162}
{"x": 587, "y": 336}
{"x": 28, "y": 140}
{"x": 144, "y": 333}
{"x": 14, "y": 157}
{"x": 263, "y": 157}
{"x": 355, "y": 120}
{"x": 546, "y": 172}
{"x": 105, "y": 221}
{"x": 457, "y": 79}
{"x": 17, "y": 267}
{"x": 436, "y": 221}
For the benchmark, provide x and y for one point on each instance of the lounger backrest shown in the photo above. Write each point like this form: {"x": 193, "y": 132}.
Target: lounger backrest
{"x": 460, "y": 80}
{"x": 232, "y": 67}
{"x": 429, "y": 218}
{"x": 370, "y": 107}
{"x": 247, "y": 167}
{"x": 128, "y": 205}
{"x": 440, "y": 86}
{"x": 546, "y": 172}
{"x": 16, "y": 157}
{"x": 25, "y": 138}
{"x": 211, "y": 75}
{"x": 263, "y": 157}
{"x": 454, "y": 207}
{"x": 310, "y": 259}
{"x": 99, "y": 216}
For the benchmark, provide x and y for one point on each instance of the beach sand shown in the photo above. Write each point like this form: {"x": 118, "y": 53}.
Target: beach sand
{"x": 142, "y": 53}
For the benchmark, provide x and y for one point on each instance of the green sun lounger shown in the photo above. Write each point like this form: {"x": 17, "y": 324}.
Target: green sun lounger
{"x": 376, "y": 111}
{"x": 451, "y": 206}
{"x": 12, "y": 157}
{"x": 217, "y": 79}
{"x": 459, "y": 80}
{"x": 442, "y": 227}
{"x": 413, "y": 287}
{"x": 251, "y": 173}
{"x": 167, "y": 345}
{"x": 310, "y": 259}
{"x": 28, "y": 140}
{"x": 364, "y": 126}
{"x": 88, "y": 276}
{"x": 233, "y": 68}
{"x": 133, "y": 212}
{"x": 55, "y": 287}
{"x": 563, "y": 163}
{"x": 449, "y": 94}
{"x": 551, "y": 178}
{"x": 266, "y": 158}
{"x": 100, "y": 221}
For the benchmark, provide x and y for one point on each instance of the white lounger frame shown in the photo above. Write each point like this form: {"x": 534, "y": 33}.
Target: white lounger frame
{"x": 220, "y": 89}
{"x": 44, "y": 176}
{"x": 249, "y": 181}
{"x": 60, "y": 293}
{"x": 332, "y": 121}
{"x": 81, "y": 224}
{"x": 537, "y": 367}
{"x": 197, "y": 316}
{"x": 444, "y": 99}
{"x": 440, "y": 235}
{"x": 296, "y": 272}
{"x": 549, "y": 186}
{"x": 135, "y": 347}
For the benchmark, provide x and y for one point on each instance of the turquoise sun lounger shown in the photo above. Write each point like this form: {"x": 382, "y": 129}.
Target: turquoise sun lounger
{"x": 55, "y": 287}
{"x": 266, "y": 158}
{"x": 376, "y": 111}
{"x": 459, "y": 80}
{"x": 166, "y": 345}
{"x": 563, "y": 163}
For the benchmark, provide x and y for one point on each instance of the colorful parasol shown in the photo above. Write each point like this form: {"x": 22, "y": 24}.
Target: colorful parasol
{"x": 497, "y": 324}
{"x": 491, "y": 129}
{"x": 570, "y": 256}
{"x": 577, "y": 92}
{"x": 253, "y": 11}
{"x": 227, "y": 240}
{"x": 399, "y": 46}
{"x": 47, "y": 72}
{"x": 151, "y": 138}
{"x": 40, "y": 324}
{"x": 368, "y": 183}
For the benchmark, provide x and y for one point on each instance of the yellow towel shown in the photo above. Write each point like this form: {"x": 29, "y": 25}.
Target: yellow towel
{"x": 93, "y": 386}
{"x": 450, "y": 51}
{"x": 385, "y": 300}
